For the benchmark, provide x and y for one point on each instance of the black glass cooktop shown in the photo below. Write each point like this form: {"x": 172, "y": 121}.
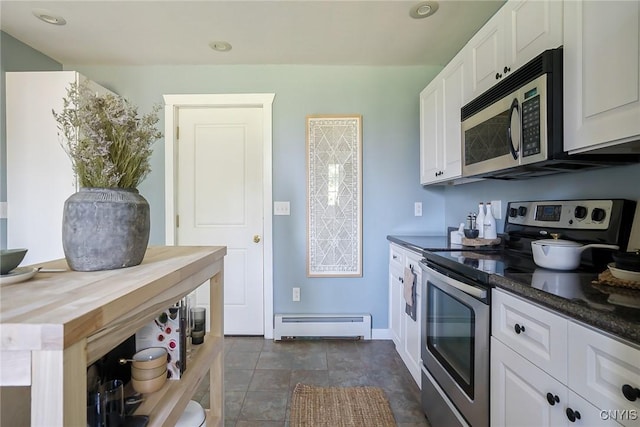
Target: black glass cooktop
{"x": 575, "y": 285}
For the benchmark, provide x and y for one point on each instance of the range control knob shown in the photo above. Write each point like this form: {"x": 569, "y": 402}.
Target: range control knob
{"x": 598, "y": 214}
{"x": 580, "y": 212}
{"x": 522, "y": 210}
{"x": 513, "y": 212}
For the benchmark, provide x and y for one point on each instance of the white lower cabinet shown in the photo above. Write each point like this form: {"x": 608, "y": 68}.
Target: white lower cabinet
{"x": 606, "y": 372}
{"x": 519, "y": 391}
{"x": 562, "y": 374}
{"x": 405, "y": 331}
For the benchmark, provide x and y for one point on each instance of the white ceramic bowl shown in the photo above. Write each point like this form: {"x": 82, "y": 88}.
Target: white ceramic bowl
{"x": 619, "y": 273}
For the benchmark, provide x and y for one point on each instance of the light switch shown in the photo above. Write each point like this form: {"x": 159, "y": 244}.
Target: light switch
{"x": 281, "y": 208}
{"x": 3, "y": 210}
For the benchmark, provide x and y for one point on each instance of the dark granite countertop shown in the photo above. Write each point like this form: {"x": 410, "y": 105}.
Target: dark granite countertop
{"x": 612, "y": 310}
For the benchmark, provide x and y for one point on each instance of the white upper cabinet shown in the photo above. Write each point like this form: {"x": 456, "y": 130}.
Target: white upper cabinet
{"x": 485, "y": 55}
{"x": 517, "y": 33}
{"x": 440, "y": 132}
{"x": 601, "y": 73}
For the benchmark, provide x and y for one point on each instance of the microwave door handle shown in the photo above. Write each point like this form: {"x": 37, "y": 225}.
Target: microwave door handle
{"x": 515, "y": 108}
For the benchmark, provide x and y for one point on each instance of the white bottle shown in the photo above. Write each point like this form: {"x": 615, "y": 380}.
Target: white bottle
{"x": 489, "y": 224}
{"x": 480, "y": 221}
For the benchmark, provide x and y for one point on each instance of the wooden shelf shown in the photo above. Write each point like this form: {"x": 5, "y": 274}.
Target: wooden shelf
{"x": 176, "y": 394}
{"x": 53, "y": 326}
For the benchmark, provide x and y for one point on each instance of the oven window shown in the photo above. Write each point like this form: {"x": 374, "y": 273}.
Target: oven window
{"x": 487, "y": 140}
{"x": 450, "y": 335}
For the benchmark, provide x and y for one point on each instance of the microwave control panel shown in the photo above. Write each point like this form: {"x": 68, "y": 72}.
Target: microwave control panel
{"x": 531, "y": 124}
{"x": 568, "y": 214}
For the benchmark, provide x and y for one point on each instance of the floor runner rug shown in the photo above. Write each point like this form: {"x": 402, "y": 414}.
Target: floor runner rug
{"x": 340, "y": 407}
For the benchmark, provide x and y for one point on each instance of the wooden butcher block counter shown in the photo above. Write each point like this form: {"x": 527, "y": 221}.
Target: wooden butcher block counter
{"x": 56, "y": 324}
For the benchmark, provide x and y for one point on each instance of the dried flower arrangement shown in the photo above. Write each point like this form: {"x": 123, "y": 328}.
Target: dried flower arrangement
{"x": 108, "y": 143}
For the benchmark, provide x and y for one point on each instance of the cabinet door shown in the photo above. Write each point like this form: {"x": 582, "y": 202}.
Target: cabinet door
{"x": 579, "y": 412}
{"x": 537, "y": 334}
{"x": 599, "y": 370}
{"x": 396, "y": 264}
{"x": 601, "y": 73}
{"x": 519, "y": 392}
{"x": 454, "y": 95}
{"x": 430, "y": 132}
{"x": 413, "y": 328}
{"x": 485, "y": 55}
{"x": 531, "y": 26}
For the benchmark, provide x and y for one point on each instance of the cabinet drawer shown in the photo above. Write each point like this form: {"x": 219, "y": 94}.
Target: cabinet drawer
{"x": 535, "y": 333}
{"x": 599, "y": 368}
{"x": 396, "y": 257}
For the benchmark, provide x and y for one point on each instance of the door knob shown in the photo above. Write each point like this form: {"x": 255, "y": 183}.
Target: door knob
{"x": 256, "y": 239}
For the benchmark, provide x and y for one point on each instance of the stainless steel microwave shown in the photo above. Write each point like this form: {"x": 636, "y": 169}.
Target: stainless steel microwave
{"x": 515, "y": 129}
{"x": 517, "y": 122}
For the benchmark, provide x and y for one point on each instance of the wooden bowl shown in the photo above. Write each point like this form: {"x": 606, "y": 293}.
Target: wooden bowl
{"x": 148, "y": 374}
{"x": 149, "y": 386}
{"x": 149, "y": 358}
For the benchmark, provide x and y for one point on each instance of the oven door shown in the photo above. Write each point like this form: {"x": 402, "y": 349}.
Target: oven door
{"x": 455, "y": 344}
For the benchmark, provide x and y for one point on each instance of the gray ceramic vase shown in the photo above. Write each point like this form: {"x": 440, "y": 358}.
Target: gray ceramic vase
{"x": 105, "y": 229}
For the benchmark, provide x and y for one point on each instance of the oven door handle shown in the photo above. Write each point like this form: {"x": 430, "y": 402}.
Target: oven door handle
{"x": 467, "y": 289}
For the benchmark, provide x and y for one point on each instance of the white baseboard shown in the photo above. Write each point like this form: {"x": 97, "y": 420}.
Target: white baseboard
{"x": 381, "y": 334}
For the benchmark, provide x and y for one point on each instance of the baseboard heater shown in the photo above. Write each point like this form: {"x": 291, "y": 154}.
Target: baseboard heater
{"x": 290, "y": 326}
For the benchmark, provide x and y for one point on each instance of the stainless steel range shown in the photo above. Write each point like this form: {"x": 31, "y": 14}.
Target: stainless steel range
{"x": 456, "y": 295}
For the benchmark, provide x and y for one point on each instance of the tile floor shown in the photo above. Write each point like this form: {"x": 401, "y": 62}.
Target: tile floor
{"x": 260, "y": 376}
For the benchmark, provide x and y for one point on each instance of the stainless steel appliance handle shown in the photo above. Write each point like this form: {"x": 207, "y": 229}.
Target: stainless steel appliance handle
{"x": 515, "y": 152}
{"x": 467, "y": 289}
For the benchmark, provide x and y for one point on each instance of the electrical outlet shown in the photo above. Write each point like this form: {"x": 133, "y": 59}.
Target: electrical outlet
{"x": 296, "y": 294}
{"x": 496, "y": 209}
{"x": 417, "y": 208}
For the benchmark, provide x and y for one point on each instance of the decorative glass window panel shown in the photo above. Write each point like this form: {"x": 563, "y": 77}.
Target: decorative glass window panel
{"x": 334, "y": 205}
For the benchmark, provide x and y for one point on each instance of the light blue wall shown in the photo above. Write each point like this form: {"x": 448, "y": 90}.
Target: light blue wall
{"x": 387, "y": 98}
{"x": 15, "y": 56}
{"x": 615, "y": 182}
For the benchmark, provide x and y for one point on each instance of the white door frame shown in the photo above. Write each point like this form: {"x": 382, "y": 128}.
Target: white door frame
{"x": 256, "y": 100}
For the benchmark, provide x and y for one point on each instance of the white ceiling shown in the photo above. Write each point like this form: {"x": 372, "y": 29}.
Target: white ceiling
{"x": 177, "y": 32}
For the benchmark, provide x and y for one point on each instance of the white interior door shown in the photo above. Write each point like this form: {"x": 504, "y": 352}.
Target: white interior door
{"x": 220, "y": 202}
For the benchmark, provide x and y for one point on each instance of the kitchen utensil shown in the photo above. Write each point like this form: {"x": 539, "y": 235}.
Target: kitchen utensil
{"x": 619, "y": 273}
{"x": 10, "y": 259}
{"x": 559, "y": 254}
{"x": 149, "y": 386}
{"x": 629, "y": 261}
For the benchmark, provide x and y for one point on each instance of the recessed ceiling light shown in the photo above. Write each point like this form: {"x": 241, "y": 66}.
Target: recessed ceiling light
{"x": 423, "y": 9}
{"x": 220, "y": 46}
{"x": 49, "y": 17}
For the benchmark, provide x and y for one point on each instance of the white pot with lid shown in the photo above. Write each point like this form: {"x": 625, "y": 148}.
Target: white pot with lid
{"x": 559, "y": 254}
